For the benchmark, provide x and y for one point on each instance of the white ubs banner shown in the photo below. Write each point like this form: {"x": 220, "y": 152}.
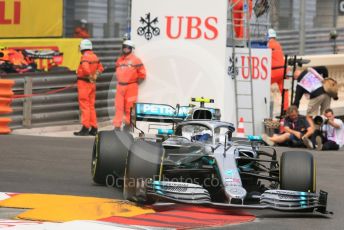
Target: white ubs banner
{"x": 183, "y": 47}
{"x": 261, "y": 78}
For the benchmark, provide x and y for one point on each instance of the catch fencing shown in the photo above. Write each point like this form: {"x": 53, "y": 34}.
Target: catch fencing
{"x": 52, "y": 99}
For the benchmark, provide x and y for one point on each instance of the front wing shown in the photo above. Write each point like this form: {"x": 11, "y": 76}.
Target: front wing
{"x": 280, "y": 200}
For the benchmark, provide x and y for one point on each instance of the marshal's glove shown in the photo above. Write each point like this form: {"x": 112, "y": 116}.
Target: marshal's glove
{"x": 93, "y": 77}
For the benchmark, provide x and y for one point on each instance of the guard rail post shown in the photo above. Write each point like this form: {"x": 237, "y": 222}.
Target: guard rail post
{"x": 6, "y": 95}
{"x": 27, "y": 104}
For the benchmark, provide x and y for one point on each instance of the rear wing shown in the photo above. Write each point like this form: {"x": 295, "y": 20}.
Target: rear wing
{"x": 162, "y": 113}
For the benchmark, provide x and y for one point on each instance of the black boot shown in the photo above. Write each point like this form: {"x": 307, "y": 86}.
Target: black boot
{"x": 117, "y": 129}
{"x": 93, "y": 131}
{"x": 83, "y": 132}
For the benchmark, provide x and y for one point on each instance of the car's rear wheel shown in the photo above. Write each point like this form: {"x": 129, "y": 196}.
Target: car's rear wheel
{"x": 143, "y": 164}
{"x": 298, "y": 171}
{"x": 109, "y": 156}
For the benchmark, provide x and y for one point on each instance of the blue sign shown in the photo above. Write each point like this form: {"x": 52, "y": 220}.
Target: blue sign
{"x": 162, "y": 110}
{"x": 147, "y": 109}
{"x": 154, "y": 109}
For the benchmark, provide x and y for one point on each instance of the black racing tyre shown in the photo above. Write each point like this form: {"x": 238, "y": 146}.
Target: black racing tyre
{"x": 109, "y": 156}
{"x": 143, "y": 163}
{"x": 298, "y": 171}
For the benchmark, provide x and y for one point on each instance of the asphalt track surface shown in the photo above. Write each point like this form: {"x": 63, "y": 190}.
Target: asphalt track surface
{"x": 50, "y": 165}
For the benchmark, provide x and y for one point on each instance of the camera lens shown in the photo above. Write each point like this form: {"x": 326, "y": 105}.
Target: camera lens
{"x": 318, "y": 120}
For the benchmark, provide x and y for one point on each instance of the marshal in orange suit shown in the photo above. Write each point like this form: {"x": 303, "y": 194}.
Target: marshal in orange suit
{"x": 277, "y": 64}
{"x": 239, "y": 16}
{"x": 81, "y": 31}
{"x": 88, "y": 71}
{"x": 130, "y": 71}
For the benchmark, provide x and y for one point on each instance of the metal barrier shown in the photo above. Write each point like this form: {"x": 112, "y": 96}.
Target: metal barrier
{"x": 317, "y": 41}
{"x": 108, "y": 50}
{"x": 51, "y": 99}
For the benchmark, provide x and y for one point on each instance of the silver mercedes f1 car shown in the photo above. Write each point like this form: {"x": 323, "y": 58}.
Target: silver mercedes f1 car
{"x": 196, "y": 161}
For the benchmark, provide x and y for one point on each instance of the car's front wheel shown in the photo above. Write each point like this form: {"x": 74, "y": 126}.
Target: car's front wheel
{"x": 143, "y": 163}
{"x": 298, "y": 171}
{"x": 109, "y": 156}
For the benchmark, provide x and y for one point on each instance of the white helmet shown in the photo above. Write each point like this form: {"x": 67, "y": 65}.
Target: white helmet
{"x": 83, "y": 21}
{"x": 129, "y": 43}
{"x": 85, "y": 44}
{"x": 272, "y": 33}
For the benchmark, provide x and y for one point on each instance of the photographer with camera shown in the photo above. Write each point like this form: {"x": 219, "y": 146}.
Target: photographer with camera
{"x": 331, "y": 133}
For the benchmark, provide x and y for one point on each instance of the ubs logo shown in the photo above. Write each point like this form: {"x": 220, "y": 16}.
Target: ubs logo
{"x": 149, "y": 27}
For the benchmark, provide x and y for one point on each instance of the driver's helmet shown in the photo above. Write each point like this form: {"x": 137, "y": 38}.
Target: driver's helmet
{"x": 204, "y": 136}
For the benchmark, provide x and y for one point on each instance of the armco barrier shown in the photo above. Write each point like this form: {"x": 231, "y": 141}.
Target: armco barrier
{"x": 6, "y": 94}
{"x": 52, "y": 99}
{"x": 107, "y": 49}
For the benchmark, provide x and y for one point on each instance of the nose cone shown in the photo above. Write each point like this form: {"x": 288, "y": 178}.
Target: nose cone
{"x": 236, "y": 192}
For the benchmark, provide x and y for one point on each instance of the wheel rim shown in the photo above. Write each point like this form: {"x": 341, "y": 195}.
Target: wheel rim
{"x": 95, "y": 157}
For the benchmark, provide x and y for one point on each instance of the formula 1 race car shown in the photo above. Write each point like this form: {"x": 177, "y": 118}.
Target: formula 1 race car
{"x": 197, "y": 162}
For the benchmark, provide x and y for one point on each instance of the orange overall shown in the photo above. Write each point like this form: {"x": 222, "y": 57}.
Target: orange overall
{"x": 129, "y": 70}
{"x": 238, "y": 16}
{"x": 89, "y": 64}
{"x": 81, "y": 32}
{"x": 277, "y": 67}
